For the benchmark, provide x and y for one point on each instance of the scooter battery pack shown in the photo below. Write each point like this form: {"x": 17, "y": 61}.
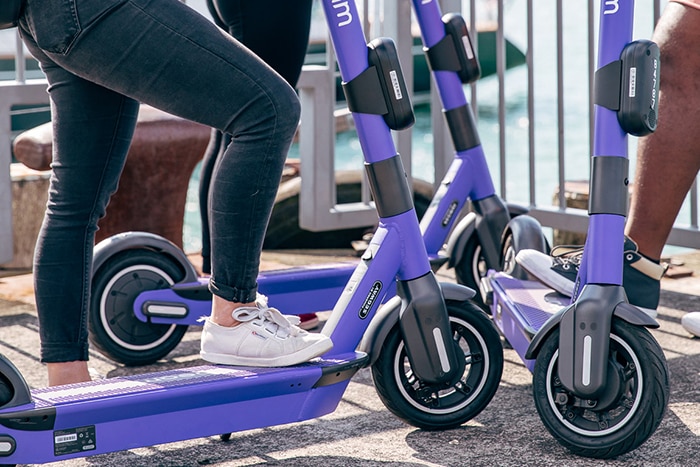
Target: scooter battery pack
{"x": 469, "y": 67}
{"x": 384, "y": 57}
{"x": 639, "y": 88}
{"x": 455, "y": 52}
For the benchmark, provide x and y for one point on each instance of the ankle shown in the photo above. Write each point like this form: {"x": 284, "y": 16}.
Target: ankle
{"x": 222, "y": 311}
{"x": 60, "y": 373}
{"x": 647, "y": 249}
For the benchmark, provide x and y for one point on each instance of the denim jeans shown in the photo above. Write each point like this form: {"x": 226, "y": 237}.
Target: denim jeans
{"x": 103, "y": 57}
{"x": 261, "y": 25}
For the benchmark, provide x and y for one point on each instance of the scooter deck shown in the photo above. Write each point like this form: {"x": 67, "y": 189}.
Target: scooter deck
{"x": 127, "y": 412}
{"x": 520, "y": 309}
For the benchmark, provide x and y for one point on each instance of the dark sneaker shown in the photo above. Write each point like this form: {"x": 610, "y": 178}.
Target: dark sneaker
{"x": 641, "y": 276}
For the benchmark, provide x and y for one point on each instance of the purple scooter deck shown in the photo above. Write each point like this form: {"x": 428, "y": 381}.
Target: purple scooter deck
{"x": 521, "y": 307}
{"x": 127, "y": 412}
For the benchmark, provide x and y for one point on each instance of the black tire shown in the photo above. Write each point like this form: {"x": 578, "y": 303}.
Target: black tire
{"x": 472, "y": 268}
{"x": 511, "y": 246}
{"x": 624, "y": 417}
{"x": 441, "y": 408}
{"x": 114, "y": 329}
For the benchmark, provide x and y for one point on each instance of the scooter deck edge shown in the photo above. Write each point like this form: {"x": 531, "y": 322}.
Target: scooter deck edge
{"x": 128, "y": 412}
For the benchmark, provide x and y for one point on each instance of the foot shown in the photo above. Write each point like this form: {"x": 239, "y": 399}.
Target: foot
{"x": 641, "y": 276}
{"x": 264, "y": 337}
{"x": 308, "y": 321}
{"x": 61, "y": 373}
{"x": 691, "y": 323}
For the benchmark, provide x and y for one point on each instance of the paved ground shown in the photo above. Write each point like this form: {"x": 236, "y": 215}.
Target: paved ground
{"x": 361, "y": 432}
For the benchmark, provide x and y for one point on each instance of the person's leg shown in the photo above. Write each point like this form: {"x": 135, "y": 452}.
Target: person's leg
{"x": 162, "y": 53}
{"x": 214, "y": 148}
{"x": 276, "y": 31}
{"x": 92, "y": 129}
{"x": 667, "y": 164}
{"x": 668, "y": 160}
{"x": 262, "y": 26}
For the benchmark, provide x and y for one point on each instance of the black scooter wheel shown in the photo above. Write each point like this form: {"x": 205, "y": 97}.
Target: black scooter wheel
{"x": 472, "y": 268}
{"x": 633, "y": 406}
{"x": 434, "y": 407}
{"x": 114, "y": 329}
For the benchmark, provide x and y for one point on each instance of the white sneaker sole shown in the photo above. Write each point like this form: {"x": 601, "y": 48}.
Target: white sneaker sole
{"x": 691, "y": 323}
{"x": 300, "y": 356}
{"x": 536, "y": 263}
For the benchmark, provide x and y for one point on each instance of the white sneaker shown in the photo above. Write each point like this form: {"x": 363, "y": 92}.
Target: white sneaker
{"x": 265, "y": 338}
{"x": 691, "y": 323}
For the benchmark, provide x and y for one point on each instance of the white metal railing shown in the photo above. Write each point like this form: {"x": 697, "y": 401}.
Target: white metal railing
{"x": 533, "y": 120}
{"x": 17, "y": 91}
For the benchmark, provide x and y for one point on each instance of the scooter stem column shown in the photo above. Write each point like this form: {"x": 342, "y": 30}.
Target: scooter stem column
{"x": 585, "y": 328}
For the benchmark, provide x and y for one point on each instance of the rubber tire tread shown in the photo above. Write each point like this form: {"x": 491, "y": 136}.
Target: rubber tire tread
{"x": 393, "y": 399}
{"x": 99, "y": 337}
{"x": 655, "y": 395}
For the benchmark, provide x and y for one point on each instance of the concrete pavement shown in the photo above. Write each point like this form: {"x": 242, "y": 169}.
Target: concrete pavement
{"x": 361, "y": 432}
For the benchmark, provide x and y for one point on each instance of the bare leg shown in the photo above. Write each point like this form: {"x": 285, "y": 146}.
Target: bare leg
{"x": 669, "y": 159}
{"x": 221, "y": 311}
{"x": 68, "y": 373}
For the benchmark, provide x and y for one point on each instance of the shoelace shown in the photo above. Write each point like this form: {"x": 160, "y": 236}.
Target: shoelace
{"x": 566, "y": 255}
{"x": 270, "y": 318}
{"x": 261, "y": 301}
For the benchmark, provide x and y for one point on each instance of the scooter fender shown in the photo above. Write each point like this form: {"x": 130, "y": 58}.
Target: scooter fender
{"x": 623, "y": 310}
{"x": 387, "y": 317}
{"x": 464, "y": 230}
{"x": 109, "y": 247}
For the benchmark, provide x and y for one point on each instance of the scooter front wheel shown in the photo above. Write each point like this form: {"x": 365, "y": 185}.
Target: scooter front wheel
{"x": 629, "y": 411}
{"x": 433, "y": 407}
{"x": 114, "y": 329}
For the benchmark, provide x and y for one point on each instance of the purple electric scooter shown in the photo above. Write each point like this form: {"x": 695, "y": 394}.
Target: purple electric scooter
{"x": 600, "y": 379}
{"x": 436, "y": 357}
{"x": 151, "y": 276}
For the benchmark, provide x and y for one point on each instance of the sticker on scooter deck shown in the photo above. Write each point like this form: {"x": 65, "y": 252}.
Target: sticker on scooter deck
{"x": 76, "y": 440}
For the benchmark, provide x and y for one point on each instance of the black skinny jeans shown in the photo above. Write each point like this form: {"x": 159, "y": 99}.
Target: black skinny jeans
{"x": 278, "y": 32}
{"x": 102, "y": 58}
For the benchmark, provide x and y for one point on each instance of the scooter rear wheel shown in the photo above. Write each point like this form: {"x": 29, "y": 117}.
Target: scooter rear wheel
{"x": 434, "y": 407}
{"x": 628, "y": 412}
{"x": 114, "y": 329}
